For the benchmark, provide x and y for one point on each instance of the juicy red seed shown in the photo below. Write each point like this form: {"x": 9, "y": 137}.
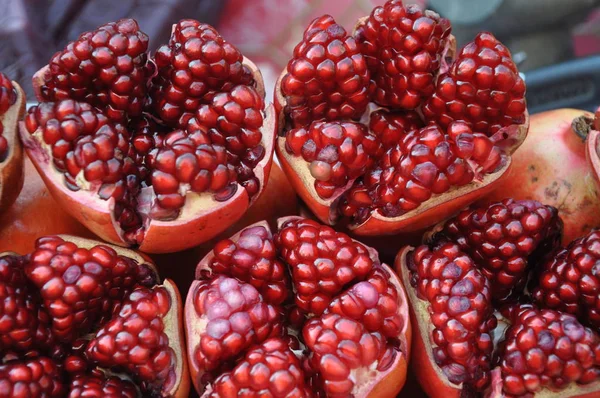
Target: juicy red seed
{"x": 569, "y": 281}
{"x": 327, "y": 78}
{"x": 80, "y": 287}
{"x": 336, "y": 151}
{"x": 135, "y": 339}
{"x": 252, "y": 259}
{"x": 424, "y": 163}
{"x": 482, "y": 88}
{"x": 460, "y": 309}
{"x": 195, "y": 64}
{"x": 547, "y": 349}
{"x": 269, "y": 369}
{"x": 403, "y": 47}
{"x": 236, "y": 317}
{"x": 508, "y": 239}
{"x": 106, "y": 67}
{"x": 31, "y": 377}
{"x": 99, "y": 385}
{"x": 337, "y": 346}
{"x": 322, "y": 262}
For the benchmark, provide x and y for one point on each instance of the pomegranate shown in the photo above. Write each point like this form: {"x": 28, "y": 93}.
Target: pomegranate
{"x": 12, "y": 107}
{"x": 304, "y": 312}
{"x": 384, "y": 132}
{"x": 137, "y": 148}
{"x": 475, "y": 333}
{"x": 567, "y": 184}
{"x": 81, "y": 318}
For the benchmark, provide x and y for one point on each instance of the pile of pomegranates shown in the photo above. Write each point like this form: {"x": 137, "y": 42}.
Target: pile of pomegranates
{"x": 388, "y": 127}
{"x": 141, "y": 148}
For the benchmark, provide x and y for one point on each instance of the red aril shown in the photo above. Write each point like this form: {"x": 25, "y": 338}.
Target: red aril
{"x": 417, "y": 98}
{"x": 88, "y": 319}
{"x": 137, "y": 149}
{"x": 12, "y": 108}
{"x": 551, "y": 167}
{"x": 255, "y": 289}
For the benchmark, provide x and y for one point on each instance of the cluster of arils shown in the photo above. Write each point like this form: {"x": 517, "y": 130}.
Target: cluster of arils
{"x": 131, "y": 142}
{"x": 304, "y": 312}
{"x": 388, "y": 127}
{"x": 82, "y": 319}
{"x": 499, "y": 309}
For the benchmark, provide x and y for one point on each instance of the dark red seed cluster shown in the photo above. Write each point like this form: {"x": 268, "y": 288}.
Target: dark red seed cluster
{"x": 506, "y": 240}
{"x": 135, "y": 339}
{"x": 337, "y": 152}
{"x": 570, "y": 280}
{"x": 327, "y": 78}
{"x": 252, "y": 258}
{"x": 424, "y": 163}
{"x": 404, "y": 47}
{"x": 115, "y": 127}
{"x": 73, "y": 315}
{"x": 236, "y": 317}
{"x": 195, "y": 65}
{"x": 107, "y": 67}
{"x": 8, "y": 97}
{"x": 482, "y": 87}
{"x": 390, "y": 127}
{"x": 270, "y": 369}
{"x": 459, "y": 298}
{"x": 80, "y": 288}
{"x": 322, "y": 262}
{"x": 547, "y": 349}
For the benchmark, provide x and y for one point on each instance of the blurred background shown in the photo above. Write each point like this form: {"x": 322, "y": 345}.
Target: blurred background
{"x": 555, "y": 42}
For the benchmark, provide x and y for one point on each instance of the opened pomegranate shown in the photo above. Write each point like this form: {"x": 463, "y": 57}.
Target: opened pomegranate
{"x": 304, "y": 312}
{"x": 569, "y": 184}
{"x": 475, "y": 333}
{"x": 80, "y": 318}
{"x": 12, "y": 107}
{"x": 382, "y": 130}
{"x": 140, "y": 148}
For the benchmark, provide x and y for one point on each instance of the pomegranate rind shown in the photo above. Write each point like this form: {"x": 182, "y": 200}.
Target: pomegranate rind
{"x": 173, "y": 323}
{"x": 11, "y": 169}
{"x": 592, "y": 154}
{"x": 201, "y": 218}
{"x": 428, "y": 373}
{"x": 573, "y": 390}
{"x": 434, "y": 210}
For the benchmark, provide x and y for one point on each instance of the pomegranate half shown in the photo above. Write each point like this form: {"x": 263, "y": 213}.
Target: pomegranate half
{"x": 551, "y": 167}
{"x": 385, "y": 131}
{"x": 12, "y": 108}
{"x": 83, "y": 318}
{"x": 305, "y": 311}
{"x": 475, "y": 333}
{"x": 161, "y": 152}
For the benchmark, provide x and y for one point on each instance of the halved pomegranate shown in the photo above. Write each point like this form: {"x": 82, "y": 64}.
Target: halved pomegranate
{"x": 304, "y": 312}
{"x": 475, "y": 334}
{"x": 12, "y": 108}
{"x": 570, "y": 184}
{"x": 140, "y": 150}
{"x": 384, "y": 131}
{"x": 81, "y": 318}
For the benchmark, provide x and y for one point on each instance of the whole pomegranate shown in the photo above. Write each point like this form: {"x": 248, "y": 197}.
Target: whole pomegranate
{"x": 475, "y": 331}
{"x": 12, "y": 107}
{"x": 303, "y": 312}
{"x": 79, "y": 318}
{"x": 389, "y": 130}
{"x": 551, "y": 167}
{"x": 141, "y": 148}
